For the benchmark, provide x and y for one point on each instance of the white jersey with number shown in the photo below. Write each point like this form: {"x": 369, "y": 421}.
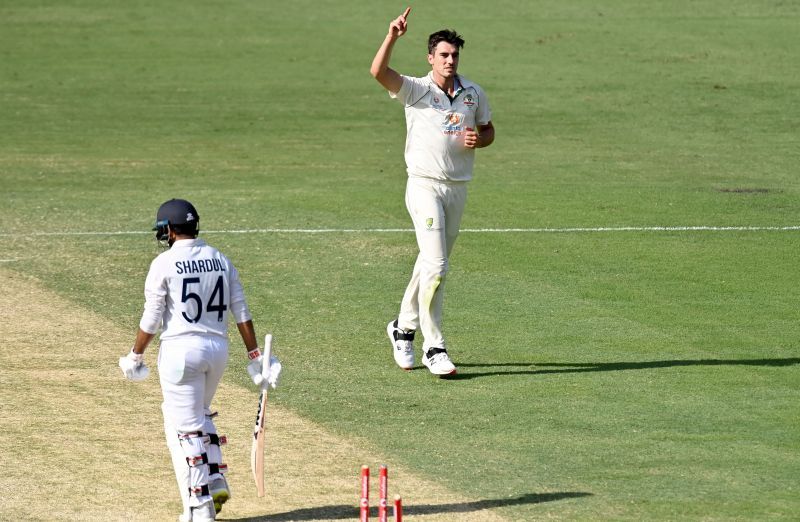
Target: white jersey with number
{"x": 191, "y": 289}
{"x": 435, "y": 127}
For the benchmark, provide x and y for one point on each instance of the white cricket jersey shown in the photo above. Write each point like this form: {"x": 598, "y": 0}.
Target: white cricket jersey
{"x": 435, "y": 127}
{"x": 190, "y": 290}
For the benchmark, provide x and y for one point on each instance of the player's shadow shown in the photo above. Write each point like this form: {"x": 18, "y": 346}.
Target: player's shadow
{"x": 350, "y": 512}
{"x": 548, "y": 368}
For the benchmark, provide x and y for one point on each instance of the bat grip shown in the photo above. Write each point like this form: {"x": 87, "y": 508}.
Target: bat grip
{"x": 267, "y": 356}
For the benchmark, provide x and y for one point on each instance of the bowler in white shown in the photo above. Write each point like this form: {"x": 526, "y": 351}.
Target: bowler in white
{"x": 448, "y": 117}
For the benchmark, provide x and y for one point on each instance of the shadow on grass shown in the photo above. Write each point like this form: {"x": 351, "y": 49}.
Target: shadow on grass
{"x": 546, "y": 368}
{"x": 350, "y": 512}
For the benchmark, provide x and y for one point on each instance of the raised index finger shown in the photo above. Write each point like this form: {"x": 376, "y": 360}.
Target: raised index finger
{"x": 405, "y": 14}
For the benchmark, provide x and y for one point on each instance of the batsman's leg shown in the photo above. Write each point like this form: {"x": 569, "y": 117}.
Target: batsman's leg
{"x": 194, "y": 449}
{"x": 181, "y": 469}
{"x": 182, "y": 377}
{"x": 189, "y": 459}
{"x": 218, "y": 484}
{"x": 217, "y": 358}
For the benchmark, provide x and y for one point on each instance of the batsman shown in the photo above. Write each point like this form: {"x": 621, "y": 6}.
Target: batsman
{"x": 191, "y": 291}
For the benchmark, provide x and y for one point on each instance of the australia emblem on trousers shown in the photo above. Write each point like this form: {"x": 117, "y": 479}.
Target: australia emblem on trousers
{"x": 429, "y": 223}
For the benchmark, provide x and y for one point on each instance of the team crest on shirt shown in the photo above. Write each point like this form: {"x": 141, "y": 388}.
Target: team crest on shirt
{"x": 469, "y": 100}
{"x": 452, "y": 123}
{"x": 429, "y": 223}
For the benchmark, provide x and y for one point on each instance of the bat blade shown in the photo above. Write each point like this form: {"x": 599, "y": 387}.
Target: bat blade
{"x": 257, "y": 450}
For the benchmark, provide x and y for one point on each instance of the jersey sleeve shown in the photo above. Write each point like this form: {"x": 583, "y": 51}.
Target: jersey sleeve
{"x": 155, "y": 298}
{"x": 239, "y": 308}
{"x": 484, "y": 113}
{"x": 411, "y": 91}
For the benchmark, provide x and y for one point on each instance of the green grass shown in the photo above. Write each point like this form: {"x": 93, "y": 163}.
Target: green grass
{"x": 614, "y": 375}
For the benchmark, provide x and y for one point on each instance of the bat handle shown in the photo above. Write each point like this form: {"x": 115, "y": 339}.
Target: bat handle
{"x": 267, "y": 356}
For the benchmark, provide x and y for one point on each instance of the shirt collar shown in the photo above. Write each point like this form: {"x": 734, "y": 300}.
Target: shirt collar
{"x": 459, "y": 84}
{"x": 188, "y": 242}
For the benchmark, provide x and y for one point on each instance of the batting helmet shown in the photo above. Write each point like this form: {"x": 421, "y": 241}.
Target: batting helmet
{"x": 178, "y": 214}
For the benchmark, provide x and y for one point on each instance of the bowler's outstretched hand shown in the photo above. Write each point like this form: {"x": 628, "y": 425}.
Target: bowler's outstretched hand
{"x": 399, "y": 25}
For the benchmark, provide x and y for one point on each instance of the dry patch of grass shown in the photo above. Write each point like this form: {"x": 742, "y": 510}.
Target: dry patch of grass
{"x": 85, "y": 444}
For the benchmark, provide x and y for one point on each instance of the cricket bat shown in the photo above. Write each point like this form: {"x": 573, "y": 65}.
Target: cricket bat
{"x": 257, "y": 450}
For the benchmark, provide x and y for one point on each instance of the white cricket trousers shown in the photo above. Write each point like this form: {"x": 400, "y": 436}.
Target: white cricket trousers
{"x": 190, "y": 370}
{"x": 436, "y": 208}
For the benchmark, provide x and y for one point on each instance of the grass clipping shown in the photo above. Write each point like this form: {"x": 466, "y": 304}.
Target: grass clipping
{"x": 86, "y": 444}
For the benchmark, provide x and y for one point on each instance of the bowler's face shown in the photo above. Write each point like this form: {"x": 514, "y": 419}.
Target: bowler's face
{"x": 444, "y": 60}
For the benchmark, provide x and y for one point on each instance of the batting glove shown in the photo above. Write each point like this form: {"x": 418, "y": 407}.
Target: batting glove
{"x": 256, "y": 365}
{"x": 274, "y": 371}
{"x": 133, "y": 366}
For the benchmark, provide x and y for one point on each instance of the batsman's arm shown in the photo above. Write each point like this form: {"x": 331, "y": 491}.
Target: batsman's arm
{"x": 132, "y": 364}
{"x": 248, "y": 333}
{"x": 142, "y": 341}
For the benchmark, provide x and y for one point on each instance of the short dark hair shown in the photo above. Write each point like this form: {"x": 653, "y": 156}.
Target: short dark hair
{"x": 445, "y": 35}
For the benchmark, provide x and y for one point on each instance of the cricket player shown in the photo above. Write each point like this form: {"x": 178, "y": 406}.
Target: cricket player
{"x": 447, "y": 118}
{"x": 190, "y": 292}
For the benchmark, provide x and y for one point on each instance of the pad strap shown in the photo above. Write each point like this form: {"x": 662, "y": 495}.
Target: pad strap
{"x": 197, "y": 460}
{"x": 199, "y": 491}
{"x": 217, "y": 468}
{"x": 217, "y": 440}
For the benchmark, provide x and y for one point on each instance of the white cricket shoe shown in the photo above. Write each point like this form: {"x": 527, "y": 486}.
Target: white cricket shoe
{"x": 402, "y": 345}
{"x": 438, "y": 362}
{"x": 219, "y": 492}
